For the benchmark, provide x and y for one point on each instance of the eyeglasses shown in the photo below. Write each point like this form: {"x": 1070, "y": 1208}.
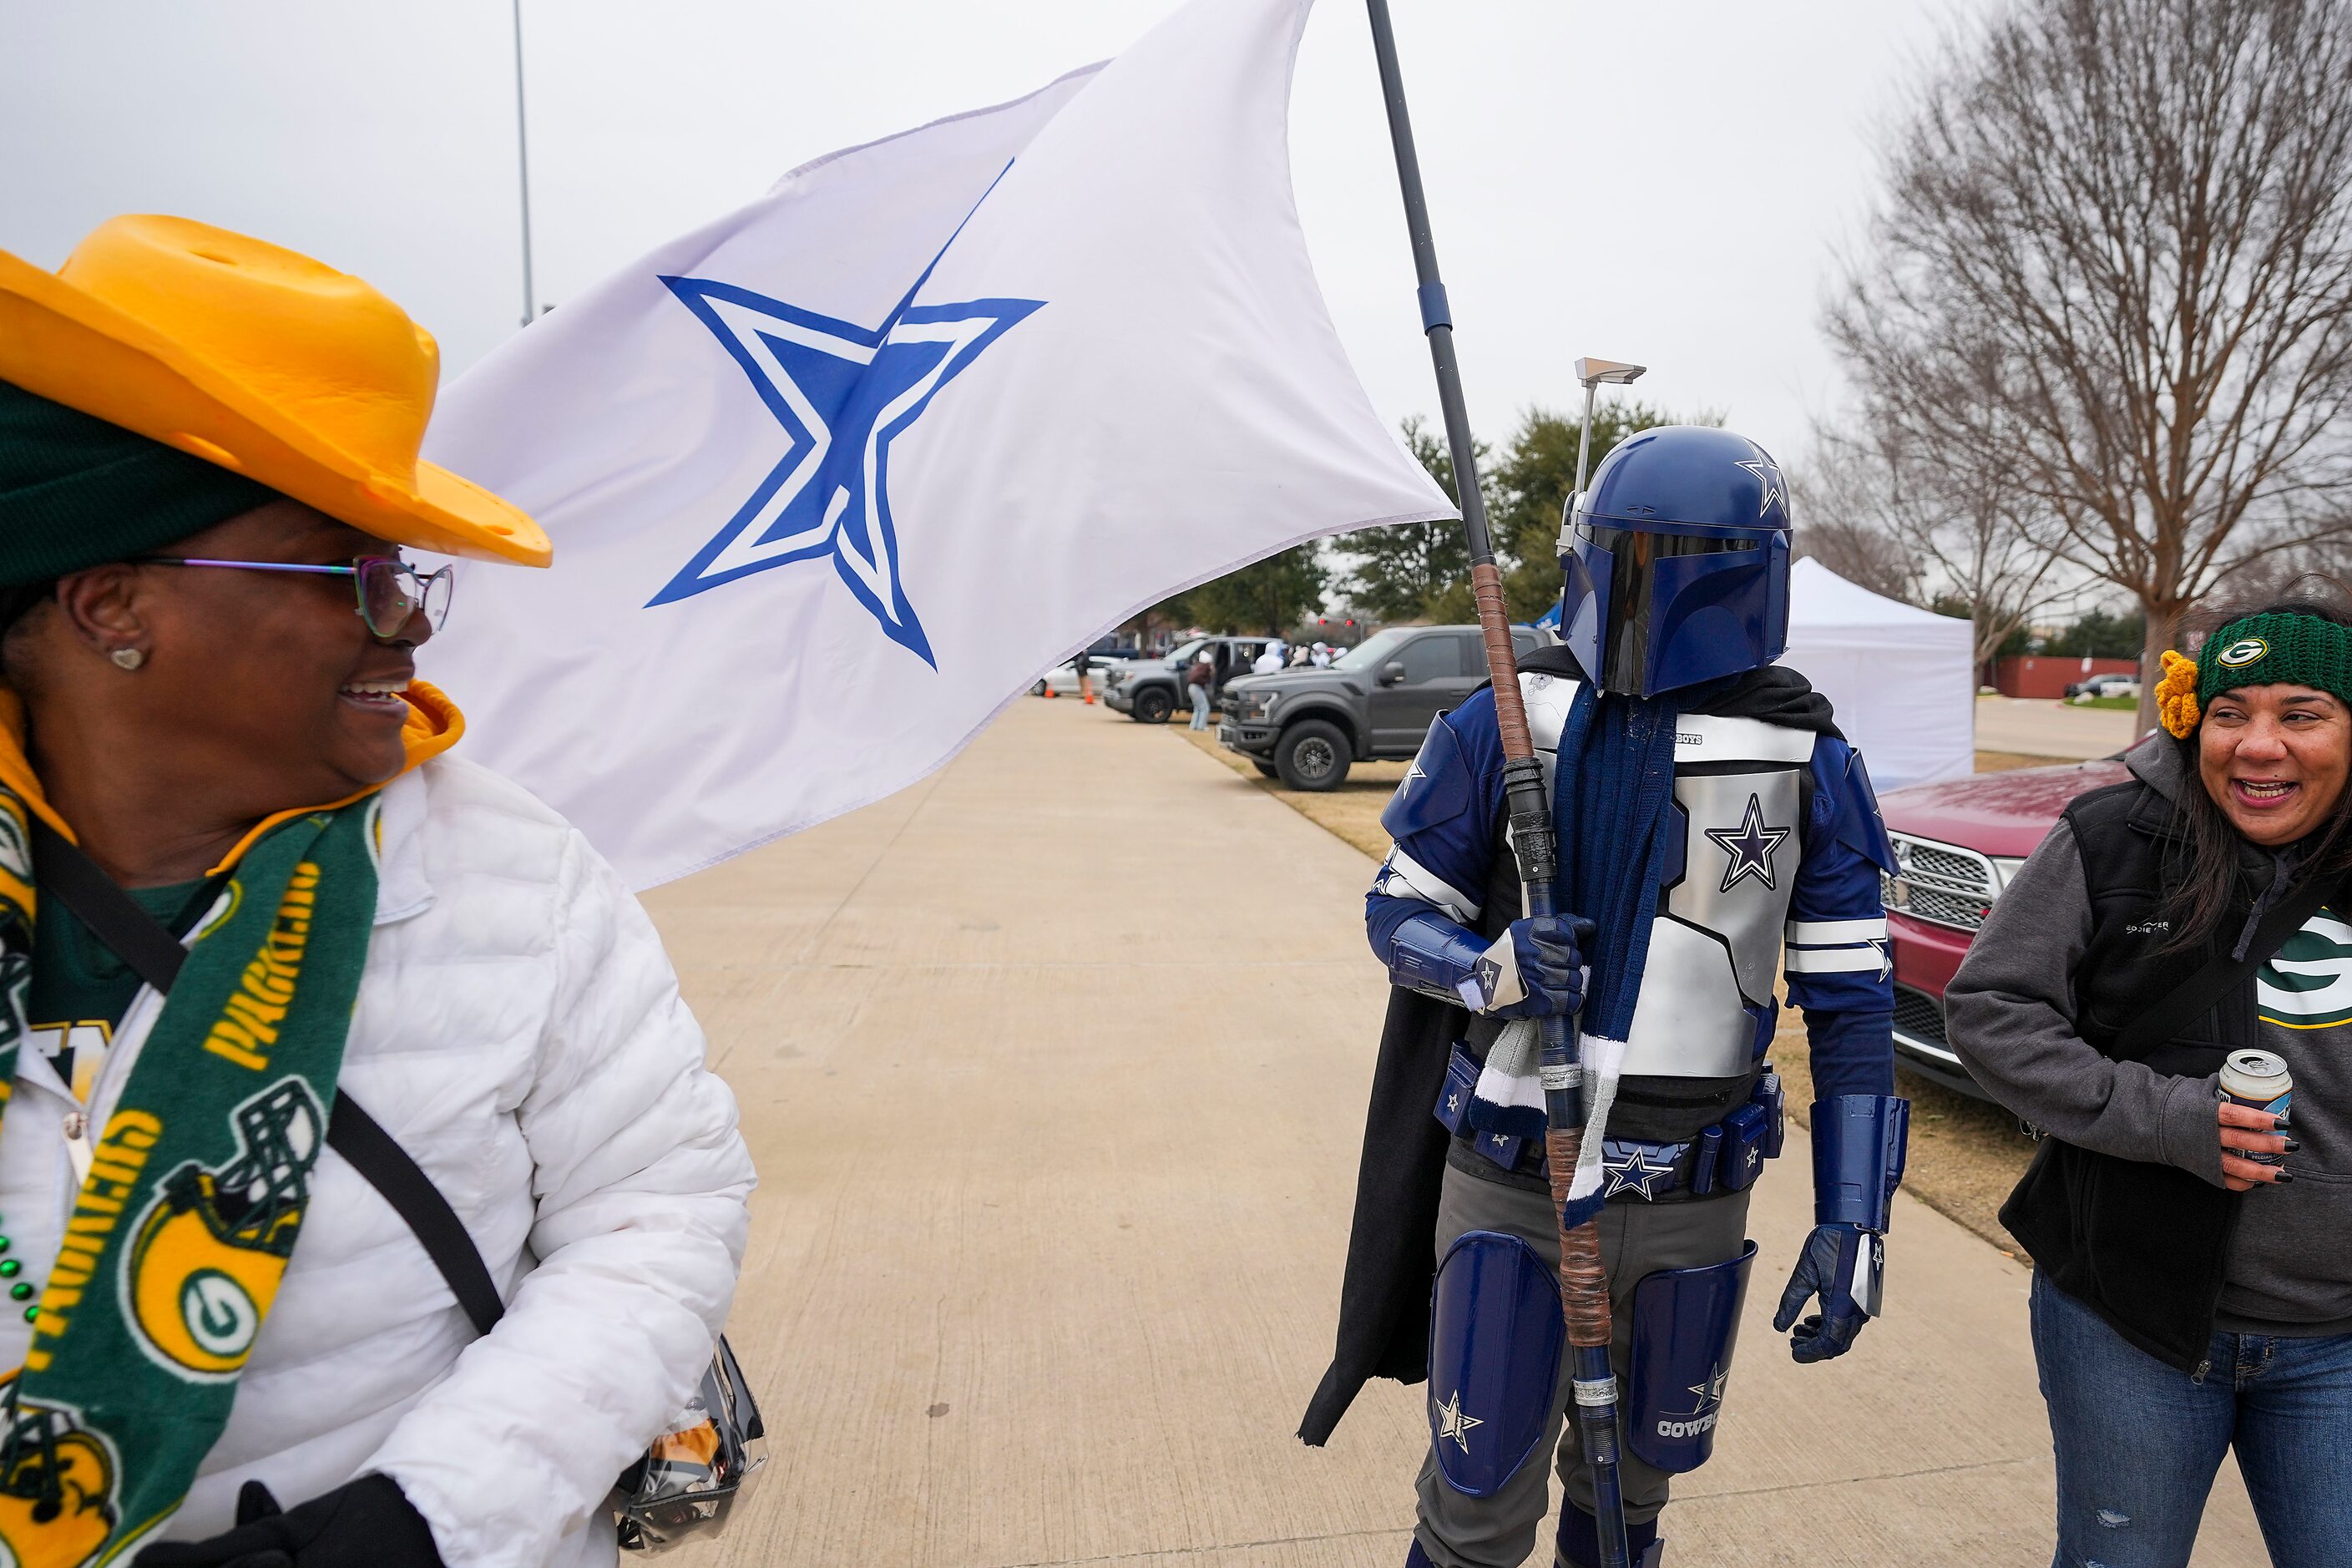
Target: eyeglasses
{"x": 390, "y": 589}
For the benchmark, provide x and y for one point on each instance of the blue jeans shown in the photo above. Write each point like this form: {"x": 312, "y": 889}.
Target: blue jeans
{"x": 2138, "y": 1441}
{"x": 1200, "y": 707}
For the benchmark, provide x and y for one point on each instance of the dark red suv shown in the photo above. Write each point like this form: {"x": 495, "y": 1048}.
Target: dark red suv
{"x": 1957, "y": 843}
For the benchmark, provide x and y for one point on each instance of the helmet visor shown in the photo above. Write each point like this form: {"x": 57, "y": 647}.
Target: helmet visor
{"x": 1626, "y": 594}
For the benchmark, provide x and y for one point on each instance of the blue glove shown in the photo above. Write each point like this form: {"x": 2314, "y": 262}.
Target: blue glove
{"x": 1844, "y": 1266}
{"x": 1544, "y": 948}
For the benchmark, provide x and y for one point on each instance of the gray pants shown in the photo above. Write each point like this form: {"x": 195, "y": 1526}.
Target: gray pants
{"x": 1200, "y": 707}
{"x": 1636, "y": 1240}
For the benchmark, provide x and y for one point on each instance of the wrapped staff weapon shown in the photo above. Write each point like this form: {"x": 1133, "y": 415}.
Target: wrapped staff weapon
{"x": 1584, "y": 1283}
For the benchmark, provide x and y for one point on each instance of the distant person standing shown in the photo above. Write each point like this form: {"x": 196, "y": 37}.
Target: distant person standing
{"x": 1200, "y": 681}
{"x": 1322, "y": 656}
{"x": 1084, "y": 663}
{"x": 1269, "y": 661}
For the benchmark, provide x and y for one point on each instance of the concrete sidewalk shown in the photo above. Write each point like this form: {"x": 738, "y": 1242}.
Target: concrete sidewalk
{"x": 1054, "y": 1067}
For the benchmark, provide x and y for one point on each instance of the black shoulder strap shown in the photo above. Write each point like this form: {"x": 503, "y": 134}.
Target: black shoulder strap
{"x": 155, "y": 955}
{"x": 2187, "y": 1002}
{"x": 375, "y": 1154}
{"x": 76, "y": 880}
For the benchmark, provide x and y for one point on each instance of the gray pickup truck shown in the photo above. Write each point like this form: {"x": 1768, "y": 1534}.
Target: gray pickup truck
{"x": 1148, "y": 689}
{"x": 1307, "y": 727}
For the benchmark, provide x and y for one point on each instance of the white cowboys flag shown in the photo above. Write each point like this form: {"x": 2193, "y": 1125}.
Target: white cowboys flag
{"x": 831, "y": 480}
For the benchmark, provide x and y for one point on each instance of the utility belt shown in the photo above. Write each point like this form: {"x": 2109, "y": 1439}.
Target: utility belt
{"x": 1727, "y": 1157}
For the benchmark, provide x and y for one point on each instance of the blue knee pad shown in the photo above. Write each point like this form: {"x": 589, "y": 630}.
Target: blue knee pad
{"x": 1494, "y": 1336}
{"x": 1684, "y": 1323}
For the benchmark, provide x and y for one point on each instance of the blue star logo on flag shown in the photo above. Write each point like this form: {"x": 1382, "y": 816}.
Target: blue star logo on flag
{"x": 841, "y": 394}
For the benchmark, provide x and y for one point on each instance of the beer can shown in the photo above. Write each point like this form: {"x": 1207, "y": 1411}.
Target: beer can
{"x": 2259, "y": 1079}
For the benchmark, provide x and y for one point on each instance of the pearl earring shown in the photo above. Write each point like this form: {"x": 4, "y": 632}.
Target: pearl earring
{"x": 127, "y": 658}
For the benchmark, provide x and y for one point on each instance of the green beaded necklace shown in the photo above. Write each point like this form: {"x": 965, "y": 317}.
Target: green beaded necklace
{"x": 17, "y": 1290}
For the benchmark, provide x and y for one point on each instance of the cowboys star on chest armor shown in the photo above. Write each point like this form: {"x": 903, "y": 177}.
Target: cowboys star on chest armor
{"x": 1749, "y": 817}
{"x": 1714, "y": 949}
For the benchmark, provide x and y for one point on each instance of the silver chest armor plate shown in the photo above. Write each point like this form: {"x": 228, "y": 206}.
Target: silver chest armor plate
{"x": 1715, "y": 951}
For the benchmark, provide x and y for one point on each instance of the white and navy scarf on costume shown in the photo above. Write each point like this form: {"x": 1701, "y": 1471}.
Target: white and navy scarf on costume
{"x": 1612, "y": 806}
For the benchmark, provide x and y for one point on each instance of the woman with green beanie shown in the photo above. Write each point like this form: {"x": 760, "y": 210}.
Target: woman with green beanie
{"x": 2192, "y": 1285}
{"x": 229, "y": 1347}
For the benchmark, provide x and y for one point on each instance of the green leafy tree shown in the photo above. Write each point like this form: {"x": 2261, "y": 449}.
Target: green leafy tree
{"x": 1269, "y": 595}
{"x": 1529, "y": 489}
{"x": 1400, "y": 573}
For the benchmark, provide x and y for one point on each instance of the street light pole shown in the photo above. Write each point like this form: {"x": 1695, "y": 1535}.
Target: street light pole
{"x": 522, "y": 159}
{"x": 1592, "y": 372}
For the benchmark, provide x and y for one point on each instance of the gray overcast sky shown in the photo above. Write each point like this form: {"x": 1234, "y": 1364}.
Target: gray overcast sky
{"x": 1662, "y": 183}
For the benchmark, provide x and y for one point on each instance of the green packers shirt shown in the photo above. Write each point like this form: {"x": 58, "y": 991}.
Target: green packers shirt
{"x": 2309, "y": 985}
{"x": 2290, "y": 1267}
{"x": 80, "y": 989}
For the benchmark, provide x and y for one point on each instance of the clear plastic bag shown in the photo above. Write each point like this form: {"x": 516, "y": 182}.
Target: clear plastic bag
{"x": 692, "y": 1476}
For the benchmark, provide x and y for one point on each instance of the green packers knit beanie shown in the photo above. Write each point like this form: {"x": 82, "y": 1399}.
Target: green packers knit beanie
{"x": 77, "y": 492}
{"x": 2274, "y": 648}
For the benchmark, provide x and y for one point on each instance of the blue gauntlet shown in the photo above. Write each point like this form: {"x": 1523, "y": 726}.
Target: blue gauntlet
{"x": 1532, "y": 971}
{"x": 1859, "y": 1141}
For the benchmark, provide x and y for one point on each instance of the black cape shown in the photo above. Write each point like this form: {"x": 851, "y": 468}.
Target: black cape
{"x": 1392, "y": 1260}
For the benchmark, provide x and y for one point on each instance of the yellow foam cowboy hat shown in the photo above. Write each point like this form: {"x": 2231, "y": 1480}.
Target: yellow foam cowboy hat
{"x": 262, "y": 360}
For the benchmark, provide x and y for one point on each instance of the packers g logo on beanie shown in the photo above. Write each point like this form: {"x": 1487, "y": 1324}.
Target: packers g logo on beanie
{"x": 205, "y": 1262}
{"x": 2275, "y": 648}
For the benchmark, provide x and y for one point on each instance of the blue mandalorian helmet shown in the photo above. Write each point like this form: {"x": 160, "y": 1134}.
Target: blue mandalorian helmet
{"x": 1677, "y": 561}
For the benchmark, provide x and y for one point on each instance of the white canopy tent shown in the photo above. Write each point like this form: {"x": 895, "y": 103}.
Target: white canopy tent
{"x": 1903, "y": 679}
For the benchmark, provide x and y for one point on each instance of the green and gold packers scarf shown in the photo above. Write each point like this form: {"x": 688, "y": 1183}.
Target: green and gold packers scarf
{"x": 196, "y": 1193}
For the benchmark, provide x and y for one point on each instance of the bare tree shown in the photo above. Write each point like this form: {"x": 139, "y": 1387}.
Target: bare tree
{"x": 2112, "y": 271}
{"x": 1959, "y": 531}
{"x": 1861, "y": 555}
{"x": 1840, "y": 524}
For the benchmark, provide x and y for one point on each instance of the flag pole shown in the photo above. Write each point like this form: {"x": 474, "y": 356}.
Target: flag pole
{"x": 1584, "y": 1282}
{"x": 522, "y": 160}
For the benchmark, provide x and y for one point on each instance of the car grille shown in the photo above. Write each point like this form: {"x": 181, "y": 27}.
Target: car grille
{"x": 1940, "y": 883}
{"x": 1919, "y": 1015}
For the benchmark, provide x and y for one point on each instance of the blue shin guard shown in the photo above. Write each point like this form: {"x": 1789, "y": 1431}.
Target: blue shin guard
{"x": 1684, "y": 1323}
{"x": 1494, "y": 1336}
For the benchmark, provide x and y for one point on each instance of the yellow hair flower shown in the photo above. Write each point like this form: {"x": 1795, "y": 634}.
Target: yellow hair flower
{"x": 2176, "y": 695}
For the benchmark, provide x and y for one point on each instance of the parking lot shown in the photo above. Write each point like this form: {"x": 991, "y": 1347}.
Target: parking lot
{"x": 2050, "y": 730}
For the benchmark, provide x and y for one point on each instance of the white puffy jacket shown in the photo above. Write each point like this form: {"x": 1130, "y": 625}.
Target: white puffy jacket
{"x": 519, "y": 1031}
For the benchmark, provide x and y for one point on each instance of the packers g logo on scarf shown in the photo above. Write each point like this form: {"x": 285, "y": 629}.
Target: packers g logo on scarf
{"x": 205, "y": 1264}
{"x": 57, "y": 1494}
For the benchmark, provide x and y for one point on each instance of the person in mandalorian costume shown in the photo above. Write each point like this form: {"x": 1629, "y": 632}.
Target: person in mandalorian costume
{"x": 1714, "y": 828}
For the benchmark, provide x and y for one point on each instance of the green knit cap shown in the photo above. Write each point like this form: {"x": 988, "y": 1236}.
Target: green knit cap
{"x": 77, "y": 492}
{"x": 2276, "y": 650}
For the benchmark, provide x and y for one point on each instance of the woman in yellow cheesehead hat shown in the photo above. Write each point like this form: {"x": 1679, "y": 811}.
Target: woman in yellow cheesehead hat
{"x": 211, "y": 732}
